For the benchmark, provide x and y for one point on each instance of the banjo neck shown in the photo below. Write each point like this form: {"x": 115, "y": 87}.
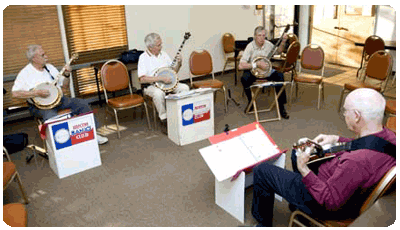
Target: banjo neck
{"x": 62, "y": 71}
{"x": 275, "y": 48}
{"x": 186, "y": 37}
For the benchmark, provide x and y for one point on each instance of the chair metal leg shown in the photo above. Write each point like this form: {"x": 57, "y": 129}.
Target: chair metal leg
{"x": 340, "y": 100}
{"x": 17, "y": 176}
{"x": 147, "y": 115}
{"x": 319, "y": 96}
{"x": 116, "y": 121}
{"x": 291, "y": 93}
{"x": 225, "y": 99}
{"x": 155, "y": 117}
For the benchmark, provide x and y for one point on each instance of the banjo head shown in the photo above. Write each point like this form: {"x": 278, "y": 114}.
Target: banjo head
{"x": 166, "y": 72}
{"x": 260, "y": 73}
{"x": 55, "y": 94}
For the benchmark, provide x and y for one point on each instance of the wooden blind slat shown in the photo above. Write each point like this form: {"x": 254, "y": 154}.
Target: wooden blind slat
{"x": 95, "y": 33}
{"x": 23, "y": 26}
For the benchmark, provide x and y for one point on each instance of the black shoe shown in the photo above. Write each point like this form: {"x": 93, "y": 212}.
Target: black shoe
{"x": 284, "y": 114}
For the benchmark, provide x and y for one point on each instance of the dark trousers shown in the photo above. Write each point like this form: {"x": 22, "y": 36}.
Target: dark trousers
{"x": 77, "y": 106}
{"x": 248, "y": 79}
{"x": 270, "y": 179}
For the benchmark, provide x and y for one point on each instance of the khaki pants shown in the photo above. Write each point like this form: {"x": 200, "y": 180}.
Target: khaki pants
{"x": 159, "y": 97}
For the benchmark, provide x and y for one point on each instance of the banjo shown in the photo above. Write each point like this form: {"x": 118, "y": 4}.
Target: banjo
{"x": 317, "y": 152}
{"x": 169, "y": 72}
{"x": 261, "y": 73}
{"x": 55, "y": 91}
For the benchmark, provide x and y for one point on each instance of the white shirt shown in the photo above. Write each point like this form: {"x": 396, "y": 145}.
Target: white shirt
{"x": 29, "y": 77}
{"x": 252, "y": 51}
{"x": 149, "y": 63}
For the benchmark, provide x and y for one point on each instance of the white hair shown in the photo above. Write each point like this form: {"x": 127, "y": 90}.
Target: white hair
{"x": 369, "y": 102}
{"x": 30, "y": 53}
{"x": 151, "y": 39}
{"x": 258, "y": 29}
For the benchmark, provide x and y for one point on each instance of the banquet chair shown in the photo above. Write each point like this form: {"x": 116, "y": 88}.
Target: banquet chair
{"x": 228, "y": 42}
{"x": 312, "y": 59}
{"x": 291, "y": 37}
{"x": 288, "y": 64}
{"x": 390, "y": 108}
{"x": 10, "y": 173}
{"x": 380, "y": 189}
{"x": 200, "y": 64}
{"x": 15, "y": 215}
{"x": 377, "y": 72}
{"x": 115, "y": 78}
{"x": 391, "y": 123}
{"x": 372, "y": 44}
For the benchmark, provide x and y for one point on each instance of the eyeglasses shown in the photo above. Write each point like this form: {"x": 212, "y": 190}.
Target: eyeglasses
{"x": 344, "y": 111}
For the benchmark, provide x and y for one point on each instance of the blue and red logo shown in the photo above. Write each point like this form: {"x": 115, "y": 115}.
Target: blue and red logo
{"x": 66, "y": 135}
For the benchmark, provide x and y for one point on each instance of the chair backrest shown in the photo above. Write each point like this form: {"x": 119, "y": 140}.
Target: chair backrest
{"x": 372, "y": 44}
{"x": 379, "y": 67}
{"x": 313, "y": 58}
{"x": 383, "y": 186}
{"x": 114, "y": 76}
{"x": 228, "y": 41}
{"x": 292, "y": 55}
{"x": 291, "y": 37}
{"x": 200, "y": 63}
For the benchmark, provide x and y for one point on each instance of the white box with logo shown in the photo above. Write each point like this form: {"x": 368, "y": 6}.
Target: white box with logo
{"x": 190, "y": 116}
{"x": 72, "y": 145}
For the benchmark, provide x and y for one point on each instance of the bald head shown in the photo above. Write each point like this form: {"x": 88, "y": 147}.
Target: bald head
{"x": 370, "y": 103}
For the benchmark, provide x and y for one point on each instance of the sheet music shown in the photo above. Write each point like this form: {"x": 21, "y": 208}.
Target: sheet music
{"x": 259, "y": 144}
{"x": 58, "y": 117}
{"x": 227, "y": 157}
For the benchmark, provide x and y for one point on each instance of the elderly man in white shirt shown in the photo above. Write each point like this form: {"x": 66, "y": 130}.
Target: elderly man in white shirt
{"x": 149, "y": 62}
{"x": 38, "y": 71}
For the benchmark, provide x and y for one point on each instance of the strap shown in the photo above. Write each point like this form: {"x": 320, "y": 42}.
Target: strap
{"x": 368, "y": 142}
{"x": 45, "y": 67}
{"x": 374, "y": 143}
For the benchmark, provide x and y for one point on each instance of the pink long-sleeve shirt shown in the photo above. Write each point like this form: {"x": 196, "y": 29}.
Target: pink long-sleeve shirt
{"x": 340, "y": 178}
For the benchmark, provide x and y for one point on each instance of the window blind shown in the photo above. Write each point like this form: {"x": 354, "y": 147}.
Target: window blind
{"x": 23, "y": 26}
{"x": 95, "y": 33}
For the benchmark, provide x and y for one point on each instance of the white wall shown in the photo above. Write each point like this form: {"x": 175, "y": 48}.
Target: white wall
{"x": 206, "y": 24}
{"x": 385, "y": 27}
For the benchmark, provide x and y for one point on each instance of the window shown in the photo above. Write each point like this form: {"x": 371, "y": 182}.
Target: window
{"x": 23, "y": 26}
{"x": 95, "y": 33}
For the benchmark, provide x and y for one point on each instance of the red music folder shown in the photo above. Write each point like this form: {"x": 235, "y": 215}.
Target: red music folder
{"x": 239, "y": 150}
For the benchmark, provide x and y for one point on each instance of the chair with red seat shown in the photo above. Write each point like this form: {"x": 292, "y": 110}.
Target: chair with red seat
{"x": 372, "y": 44}
{"x": 115, "y": 78}
{"x": 378, "y": 70}
{"x": 312, "y": 59}
{"x": 380, "y": 189}
{"x": 201, "y": 64}
{"x": 10, "y": 173}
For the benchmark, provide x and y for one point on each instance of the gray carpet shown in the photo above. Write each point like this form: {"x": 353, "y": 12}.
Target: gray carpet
{"x": 147, "y": 180}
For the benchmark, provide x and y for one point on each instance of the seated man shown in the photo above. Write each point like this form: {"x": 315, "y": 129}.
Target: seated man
{"x": 149, "y": 62}
{"x": 343, "y": 183}
{"x": 39, "y": 71}
{"x": 257, "y": 48}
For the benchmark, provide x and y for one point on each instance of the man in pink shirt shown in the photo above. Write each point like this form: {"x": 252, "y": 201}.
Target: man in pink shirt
{"x": 343, "y": 183}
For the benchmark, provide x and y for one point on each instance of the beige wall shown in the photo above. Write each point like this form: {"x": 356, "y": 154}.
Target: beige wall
{"x": 206, "y": 24}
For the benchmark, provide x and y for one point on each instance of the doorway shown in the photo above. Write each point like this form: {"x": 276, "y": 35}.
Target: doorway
{"x": 337, "y": 27}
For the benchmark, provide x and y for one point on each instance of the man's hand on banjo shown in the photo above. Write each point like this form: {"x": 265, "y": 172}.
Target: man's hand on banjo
{"x": 166, "y": 79}
{"x": 262, "y": 65}
{"x": 42, "y": 93}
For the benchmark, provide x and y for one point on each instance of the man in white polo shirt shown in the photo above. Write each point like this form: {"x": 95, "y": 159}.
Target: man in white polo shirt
{"x": 39, "y": 71}
{"x": 149, "y": 62}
